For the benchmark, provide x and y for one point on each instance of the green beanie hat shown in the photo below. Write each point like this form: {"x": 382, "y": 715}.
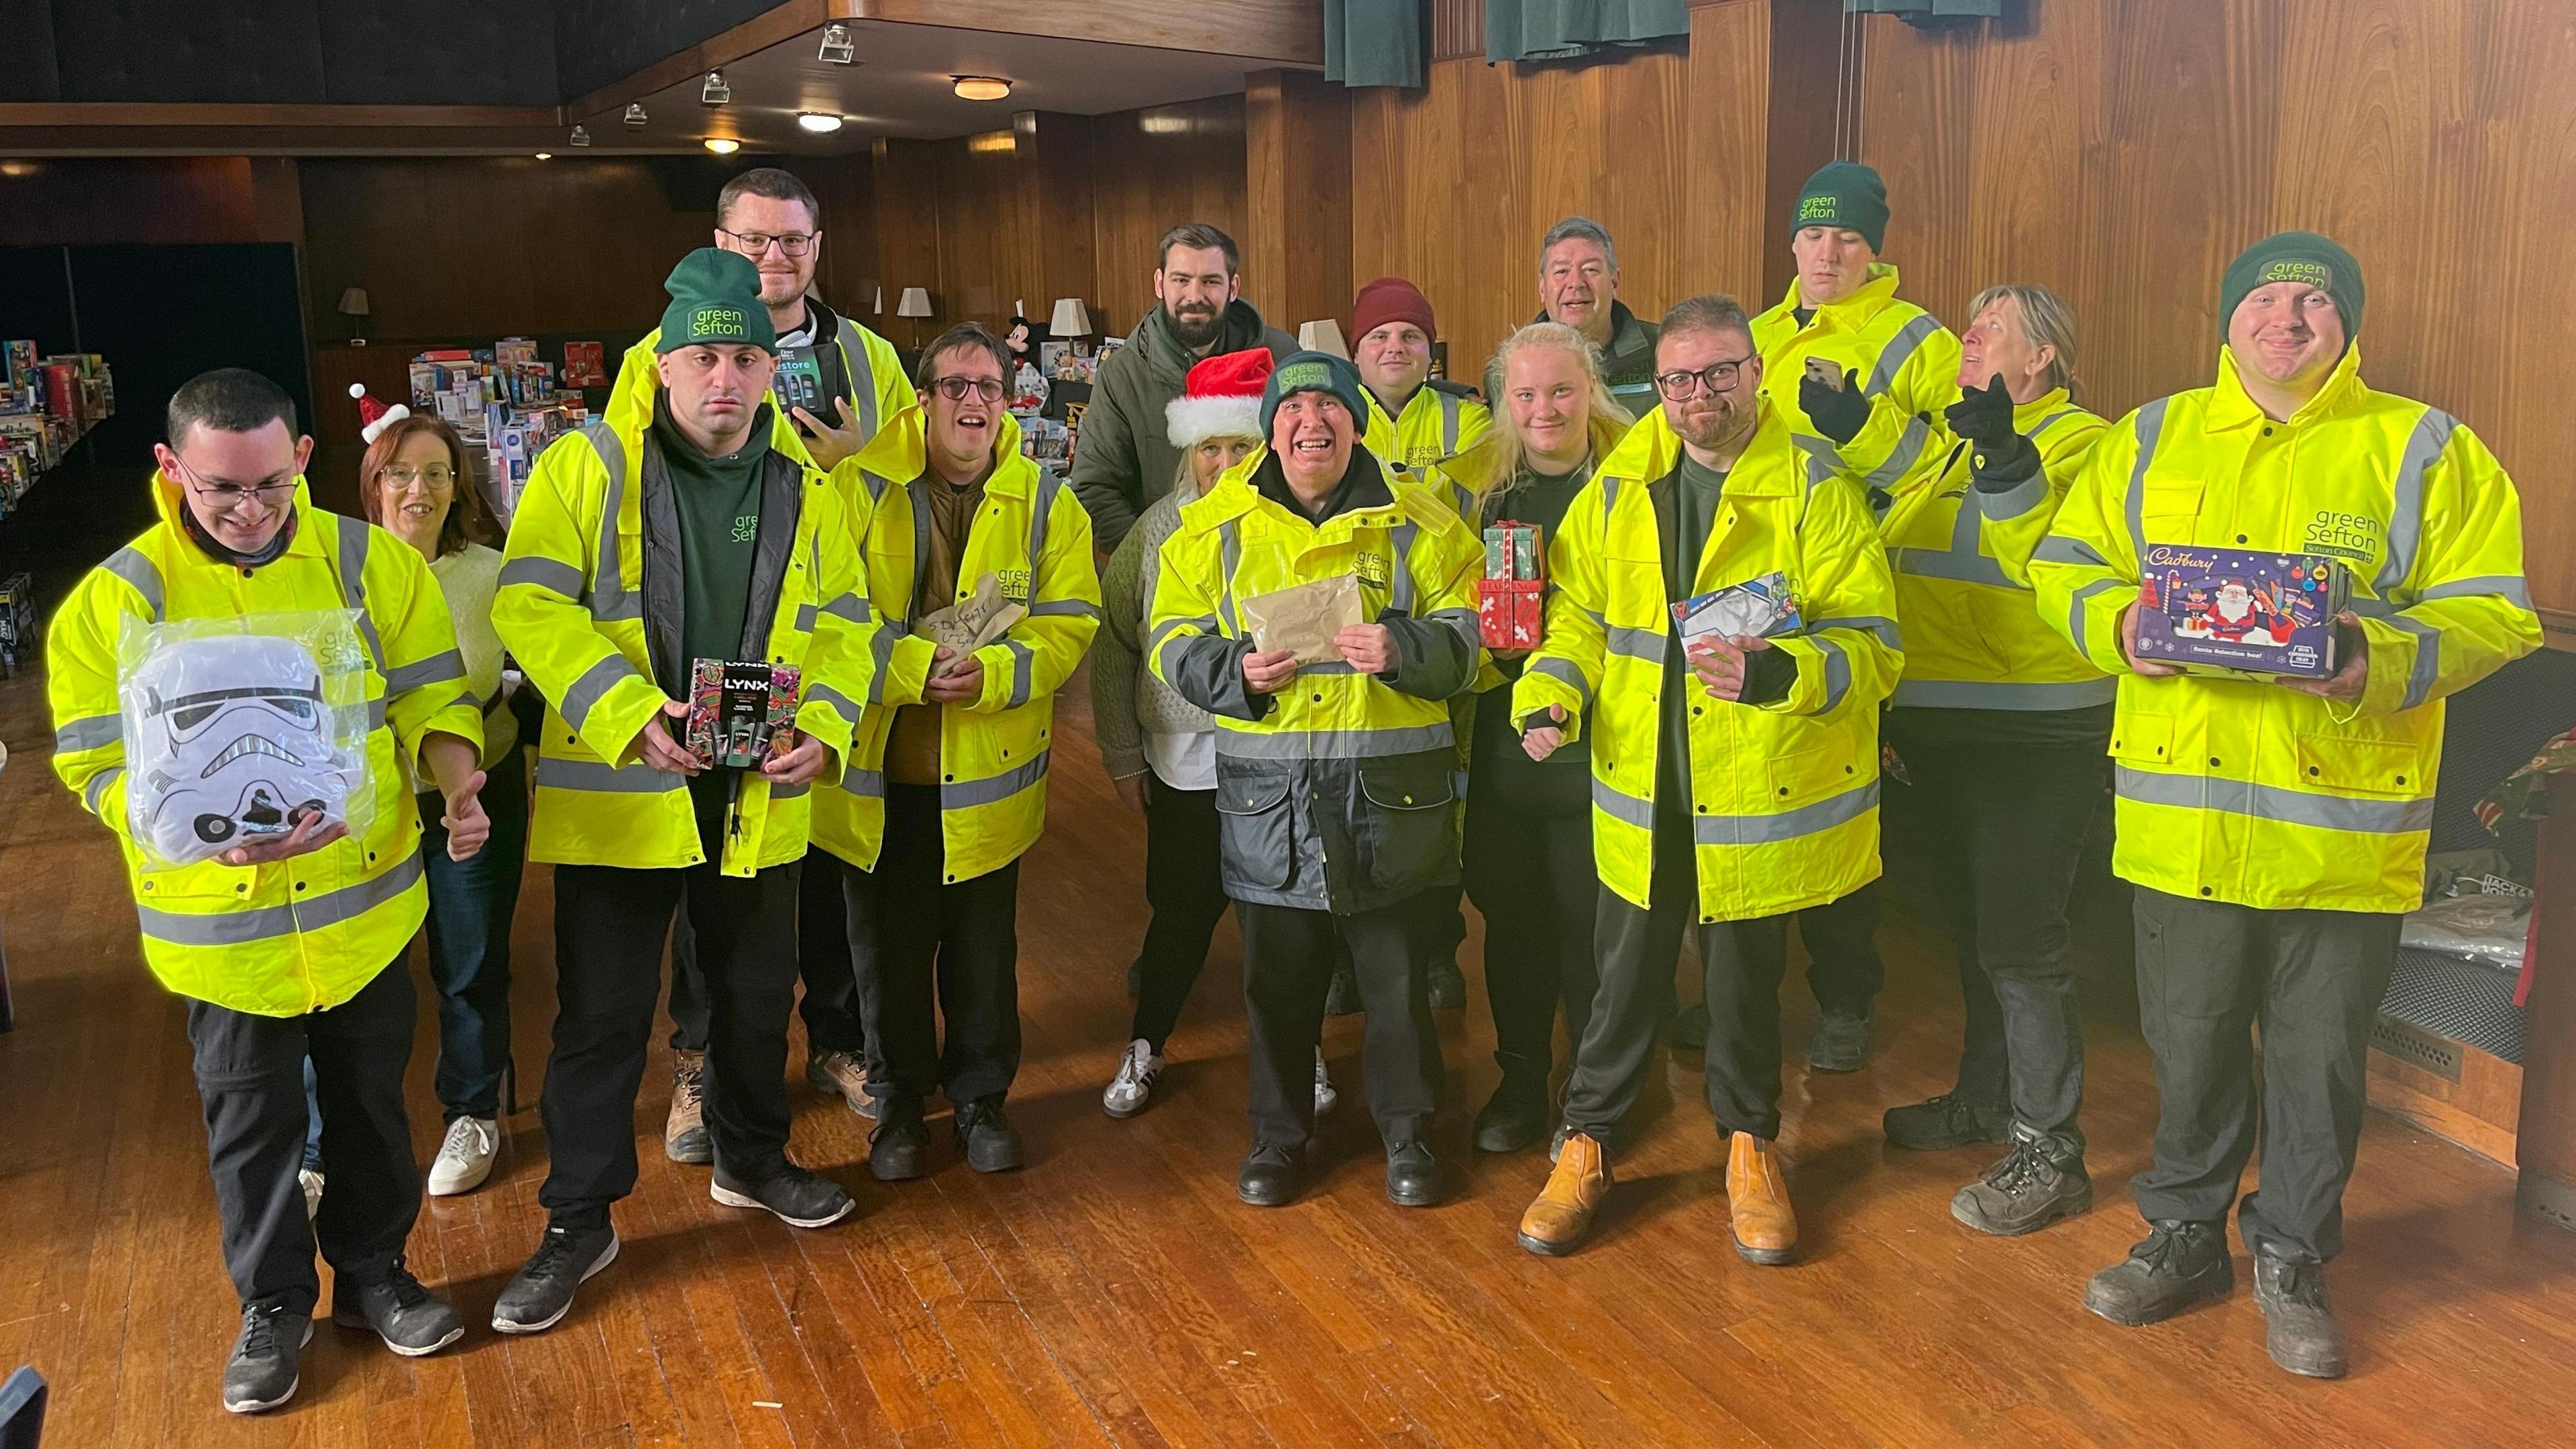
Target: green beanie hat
{"x": 1313, "y": 372}
{"x": 715, "y": 299}
{"x": 1847, "y": 195}
{"x": 2295, "y": 256}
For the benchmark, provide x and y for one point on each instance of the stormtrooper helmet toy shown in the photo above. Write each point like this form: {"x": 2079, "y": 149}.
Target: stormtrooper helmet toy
{"x": 235, "y": 747}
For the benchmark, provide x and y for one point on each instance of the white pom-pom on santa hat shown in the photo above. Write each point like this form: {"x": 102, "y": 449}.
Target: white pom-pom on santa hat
{"x": 1221, "y": 399}
{"x": 374, "y": 417}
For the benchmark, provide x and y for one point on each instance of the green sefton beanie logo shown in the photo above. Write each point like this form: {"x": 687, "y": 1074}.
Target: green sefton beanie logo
{"x": 1818, "y": 211}
{"x": 724, "y": 323}
{"x": 2314, "y": 274}
{"x": 1298, "y": 376}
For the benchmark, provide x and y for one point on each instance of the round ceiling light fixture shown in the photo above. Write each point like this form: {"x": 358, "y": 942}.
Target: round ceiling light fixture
{"x": 723, "y": 145}
{"x": 545, "y": 155}
{"x": 981, "y": 87}
{"x": 820, "y": 123}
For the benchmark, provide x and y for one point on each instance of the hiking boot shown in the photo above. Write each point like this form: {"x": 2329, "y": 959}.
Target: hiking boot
{"x": 1558, "y": 1220}
{"x": 2040, "y": 1181}
{"x": 798, "y": 1198}
{"x": 1757, "y": 1200}
{"x": 684, "y": 1134}
{"x": 1518, "y": 1114}
{"x": 2175, "y": 1266}
{"x": 540, "y": 1294}
{"x": 1841, "y": 1043}
{"x": 1448, "y": 986}
{"x": 901, "y": 1142}
{"x": 262, "y": 1373}
{"x": 1412, "y": 1176}
{"x": 2299, "y": 1331}
{"x": 1271, "y": 1177}
{"x": 1944, "y": 1122}
{"x": 464, "y": 1160}
{"x": 1342, "y": 998}
{"x": 410, "y": 1319}
{"x": 842, "y": 1075}
{"x": 992, "y": 1144}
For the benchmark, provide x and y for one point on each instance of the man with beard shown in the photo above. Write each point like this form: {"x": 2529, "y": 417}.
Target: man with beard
{"x": 1123, "y": 461}
{"x": 1578, "y": 285}
{"x": 1734, "y": 779}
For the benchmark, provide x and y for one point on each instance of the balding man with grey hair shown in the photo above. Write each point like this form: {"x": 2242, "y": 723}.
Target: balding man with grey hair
{"x": 1578, "y": 285}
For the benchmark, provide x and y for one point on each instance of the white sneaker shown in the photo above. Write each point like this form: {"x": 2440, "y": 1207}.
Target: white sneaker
{"x": 1133, "y": 1088}
{"x": 1325, "y": 1096}
{"x": 312, "y": 1183}
{"x": 465, "y": 1158}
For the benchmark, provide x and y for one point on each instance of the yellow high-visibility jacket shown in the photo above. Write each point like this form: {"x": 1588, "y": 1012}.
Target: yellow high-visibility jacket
{"x": 879, "y": 390}
{"x": 1334, "y": 793}
{"x": 598, "y": 634}
{"x": 1784, "y": 796}
{"x": 1440, "y": 421}
{"x": 309, "y": 932}
{"x": 1973, "y": 639}
{"x": 2248, "y": 792}
{"x": 1033, "y": 536}
{"x": 1901, "y": 352}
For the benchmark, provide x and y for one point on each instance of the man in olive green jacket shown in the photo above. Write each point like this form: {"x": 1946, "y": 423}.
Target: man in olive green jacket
{"x": 1122, "y": 461}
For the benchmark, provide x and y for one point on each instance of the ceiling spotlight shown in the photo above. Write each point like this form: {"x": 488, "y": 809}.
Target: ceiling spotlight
{"x": 838, "y": 48}
{"x": 715, "y": 92}
{"x": 981, "y": 88}
{"x": 635, "y": 114}
{"x": 723, "y": 145}
{"x": 821, "y": 123}
{"x": 580, "y": 136}
{"x": 545, "y": 155}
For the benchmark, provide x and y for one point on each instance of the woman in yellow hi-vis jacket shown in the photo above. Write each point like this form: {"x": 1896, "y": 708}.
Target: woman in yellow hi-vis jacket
{"x": 1334, "y": 774}
{"x": 947, "y": 785}
{"x": 2276, "y": 831}
{"x": 290, "y": 948}
{"x": 1734, "y": 779}
{"x": 650, "y": 543}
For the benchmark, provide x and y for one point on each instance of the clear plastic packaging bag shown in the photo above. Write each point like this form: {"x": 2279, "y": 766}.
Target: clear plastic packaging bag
{"x": 237, "y": 729}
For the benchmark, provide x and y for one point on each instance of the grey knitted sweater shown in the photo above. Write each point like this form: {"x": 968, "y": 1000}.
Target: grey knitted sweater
{"x": 1127, "y": 701}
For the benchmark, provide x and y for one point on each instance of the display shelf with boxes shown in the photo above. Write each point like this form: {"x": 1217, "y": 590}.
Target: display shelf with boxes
{"x": 507, "y": 404}
{"x": 46, "y": 405}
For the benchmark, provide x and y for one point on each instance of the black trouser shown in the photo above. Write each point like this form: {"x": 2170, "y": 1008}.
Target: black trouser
{"x": 1531, "y": 875}
{"x": 250, "y": 1076}
{"x": 1844, "y": 969}
{"x": 935, "y": 953}
{"x": 1288, "y": 958}
{"x": 2005, "y": 825}
{"x": 1186, "y": 890}
{"x": 2208, "y": 973}
{"x": 1741, "y": 963}
{"x": 610, "y": 924}
{"x": 830, "y": 1005}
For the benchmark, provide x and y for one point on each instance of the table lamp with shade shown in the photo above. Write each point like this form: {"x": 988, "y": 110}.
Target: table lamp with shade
{"x": 353, "y": 305}
{"x": 916, "y": 305}
{"x": 1071, "y": 320}
{"x": 1323, "y": 336}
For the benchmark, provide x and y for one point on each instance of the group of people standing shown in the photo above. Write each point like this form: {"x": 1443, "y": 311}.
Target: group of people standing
{"x": 1961, "y": 540}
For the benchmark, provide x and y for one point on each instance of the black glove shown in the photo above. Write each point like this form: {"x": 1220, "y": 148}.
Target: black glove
{"x": 1838, "y": 412}
{"x": 1769, "y": 674}
{"x": 1983, "y": 415}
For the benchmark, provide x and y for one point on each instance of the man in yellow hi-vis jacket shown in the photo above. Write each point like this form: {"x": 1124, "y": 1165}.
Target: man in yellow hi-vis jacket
{"x": 2276, "y": 831}
{"x": 1337, "y": 822}
{"x": 947, "y": 787}
{"x": 1734, "y": 778}
{"x": 641, "y": 547}
{"x": 291, "y": 947}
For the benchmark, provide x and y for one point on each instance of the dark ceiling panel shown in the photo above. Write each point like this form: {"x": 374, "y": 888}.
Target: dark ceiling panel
{"x": 601, "y": 42}
{"x": 267, "y": 51}
{"x": 27, "y": 52}
{"x": 403, "y": 53}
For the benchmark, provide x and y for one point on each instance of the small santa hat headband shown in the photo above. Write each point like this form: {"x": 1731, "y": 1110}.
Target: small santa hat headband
{"x": 374, "y": 417}
{"x": 1220, "y": 399}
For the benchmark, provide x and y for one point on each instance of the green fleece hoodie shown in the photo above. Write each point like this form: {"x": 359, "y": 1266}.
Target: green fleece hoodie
{"x": 1124, "y": 458}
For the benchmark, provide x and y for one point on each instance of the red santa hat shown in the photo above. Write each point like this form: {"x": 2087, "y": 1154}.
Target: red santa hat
{"x": 374, "y": 417}
{"x": 1220, "y": 399}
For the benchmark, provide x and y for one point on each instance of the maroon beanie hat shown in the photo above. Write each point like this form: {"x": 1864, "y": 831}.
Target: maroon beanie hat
{"x": 1391, "y": 299}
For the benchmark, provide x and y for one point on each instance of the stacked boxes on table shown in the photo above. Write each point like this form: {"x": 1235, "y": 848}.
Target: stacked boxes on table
{"x": 46, "y": 403}
{"x": 17, "y": 621}
{"x": 1511, "y": 598}
{"x": 503, "y": 401}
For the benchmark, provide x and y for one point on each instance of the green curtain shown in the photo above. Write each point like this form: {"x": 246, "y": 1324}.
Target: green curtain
{"x": 1556, "y": 29}
{"x": 1374, "y": 42}
{"x": 1919, "y": 12}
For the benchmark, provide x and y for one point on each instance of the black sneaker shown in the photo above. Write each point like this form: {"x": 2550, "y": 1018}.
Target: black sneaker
{"x": 1448, "y": 986}
{"x": 540, "y": 1294}
{"x": 900, "y": 1144}
{"x": 1342, "y": 998}
{"x": 1944, "y": 1122}
{"x": 262, "y": 1373}
{"x": 1271, "y": 1177}
{"x": 992, "y": 1144}
{"x": 2299, "y": 1330}
{"x": 1841, "y": 1043}
{"x": 1690, "y": 1028}
{"x": 798, "y": 1198}
{"x": 1412, "y": 1176}
{"x": 2177, "y": 1265}
{"x": 1517, "y": 1116}
{"x": 410, "y": 1319}
{"x": 2037, "y": 1183}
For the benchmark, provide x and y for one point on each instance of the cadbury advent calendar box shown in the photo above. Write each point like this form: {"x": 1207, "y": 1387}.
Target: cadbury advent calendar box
{"x": 2242, "y": 612}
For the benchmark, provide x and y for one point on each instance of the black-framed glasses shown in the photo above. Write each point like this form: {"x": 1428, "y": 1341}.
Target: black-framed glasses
{"x": 1716, "y": 377}
{"x": 228, "y": 495}
{"x": 955, "y": 388}
{"x": 791, "y": 243}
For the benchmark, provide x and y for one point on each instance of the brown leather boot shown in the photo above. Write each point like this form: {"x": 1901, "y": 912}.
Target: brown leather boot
{"x": 684, "y": 1133}
{"x": 1557, "y": 1221}
{"x": 1757, "y": 1197}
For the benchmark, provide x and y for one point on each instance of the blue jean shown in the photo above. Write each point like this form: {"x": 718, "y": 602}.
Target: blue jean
{"x": 470, "y": 905}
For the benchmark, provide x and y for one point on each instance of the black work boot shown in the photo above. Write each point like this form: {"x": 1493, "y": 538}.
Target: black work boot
{"x": 1944, "y": 1122}
{"x": 2177, "y": 1265}
{"x": 1271, "y": 1176}
{"x": 1841, "y": 1043}
{"x": 2040, "y": 1181}
{"x": 991, "y": 1143}
{"x": 1518, "y": 1114}
{"x": 2299, "y": 1331}
{"x": 900, "y": 1140}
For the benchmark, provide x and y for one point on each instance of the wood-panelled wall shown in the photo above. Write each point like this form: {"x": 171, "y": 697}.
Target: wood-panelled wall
{"x": 2121, "y": 151}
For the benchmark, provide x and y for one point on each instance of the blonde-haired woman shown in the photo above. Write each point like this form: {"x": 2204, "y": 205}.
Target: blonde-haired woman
{"x": 1528, "y": 853}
